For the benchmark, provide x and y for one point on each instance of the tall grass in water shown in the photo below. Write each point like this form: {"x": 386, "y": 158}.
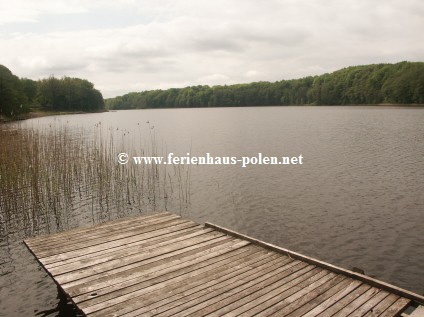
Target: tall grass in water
{"x": 57, "y": 177}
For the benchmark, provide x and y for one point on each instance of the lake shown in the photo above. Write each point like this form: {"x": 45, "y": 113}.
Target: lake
{"x": 356, "y": 200}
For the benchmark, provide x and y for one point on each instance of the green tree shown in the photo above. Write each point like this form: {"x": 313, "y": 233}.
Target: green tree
{"x": 368, "y": 84}
{"x": 69, "y": 94}
{"x": 13, "y": 101}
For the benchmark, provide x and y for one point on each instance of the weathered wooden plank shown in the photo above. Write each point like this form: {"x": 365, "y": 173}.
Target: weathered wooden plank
{"x": 312, "y": 300}
{"x": 152, "y": 301}
{"x": 225, "y": 301}
{"x": 357, "y": 302}
{"x": 382, "y": 306}
{"x": 100, "y": 251}
{"x": 82, "y": 230}
{"x": 133, "y": 271}
{"x": 287, "y": 290}
{"x": 345, "y": 300}
{"x": 172, "y": 271}
{"x": 308, "y": 297}
{"x": 143, "y": 229}
{"x": 263, "y": 263}
{"x": 333, "y": 299}
{"x": 135, "y": 252}
{"x": 190, "y": 305}
{"x": 52, "y": 250}
{"x": 203, "y": 282}
{"x": 364, "y": 278}
{"x": 104, "y": 229}
{"x": 319, "y": 274}
{"x": 106, "y": 247}
{"x": 418, "y": 312}
{"x": 293, "y": 298}
{"x": 157, "y": 254}
{"x": 279, "y": 291}
{"x": 162, "y": 265}
{"x": 189, "y": 282}
{"x": 396, "y": 308}
{"x": 253, "y": 298}
{"x": 368, "y": 306}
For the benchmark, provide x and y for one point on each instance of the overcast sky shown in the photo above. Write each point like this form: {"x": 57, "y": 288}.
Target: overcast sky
{"x": 127, "y": 45}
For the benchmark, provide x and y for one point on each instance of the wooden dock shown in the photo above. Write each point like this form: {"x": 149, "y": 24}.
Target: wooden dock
{"x": 162, "y": 265}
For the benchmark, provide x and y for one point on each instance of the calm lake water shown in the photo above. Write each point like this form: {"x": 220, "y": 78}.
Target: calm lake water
{"x": 356, "y": 201}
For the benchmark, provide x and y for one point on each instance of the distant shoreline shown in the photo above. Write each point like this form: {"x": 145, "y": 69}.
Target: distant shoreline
{"x": 413, "y": 105}
{"x": 40, "y": 114}
{"x": 417, "y": 105}
{"x": 400, "y": 83}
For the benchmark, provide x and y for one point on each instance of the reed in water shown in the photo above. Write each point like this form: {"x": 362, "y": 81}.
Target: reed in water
{"x": 57, "y": 177}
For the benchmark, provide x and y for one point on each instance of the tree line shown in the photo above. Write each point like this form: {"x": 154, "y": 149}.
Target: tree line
{"x": 21, "y": 95}
{"x": 401, "y": 83}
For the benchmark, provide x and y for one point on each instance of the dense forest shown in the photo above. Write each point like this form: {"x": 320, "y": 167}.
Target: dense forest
{"x": 21, "y": 95}
{"x": 401, "y": 83}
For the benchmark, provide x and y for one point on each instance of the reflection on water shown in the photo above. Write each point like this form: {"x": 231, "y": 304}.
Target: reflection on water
{"x": 356, "y": 201}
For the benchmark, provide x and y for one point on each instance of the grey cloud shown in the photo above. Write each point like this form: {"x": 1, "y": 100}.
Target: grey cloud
{"x": 65, "y": 68}
{"x": 286, "y": 36}
{"x": 142, "y": 51}
{"x": 238, "y": 38}
{"x": 136, "y": 63}
{"x": 58, "y": 68}
{"x": 214, "y": 43}
{"x": 187, "y": 42}
{"x": 133, "y": 57}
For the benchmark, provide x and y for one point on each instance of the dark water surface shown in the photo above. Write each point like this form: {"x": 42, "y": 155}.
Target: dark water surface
{"x": 357, "y": 199}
